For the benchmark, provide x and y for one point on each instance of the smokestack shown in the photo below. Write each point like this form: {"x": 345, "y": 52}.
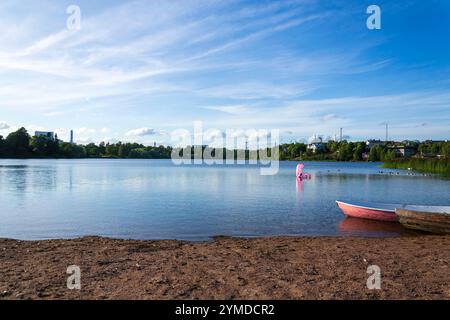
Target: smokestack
{"x": 71, "y": 136}
{"x": 340, "y": 135}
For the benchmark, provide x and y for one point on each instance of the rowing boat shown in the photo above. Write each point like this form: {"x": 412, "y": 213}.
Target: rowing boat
{"x": 370, "y": 210}
{"x": 434, "y": 219}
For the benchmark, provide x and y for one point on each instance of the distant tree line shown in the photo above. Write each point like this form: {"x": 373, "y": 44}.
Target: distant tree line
{"x": 359, "y": 151}
{"x": 332, "y": 151}
{"x": 20, "y": 144}
{"x": 337, "y": 151}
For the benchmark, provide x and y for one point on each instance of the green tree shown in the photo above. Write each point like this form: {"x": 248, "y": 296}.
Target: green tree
{"x": 2, "y": 147}
{"x": 358, "y": 151}
{"x": 333, "y": 146}
{"x": 92, "y": 150}
{"x": 121, "y": 152}
{"x": 102, "y": 148}
{"x": 388, "y": 155}
{"x": 345, "y": 152}
{"x": 70, "y": 150}
{"x": 44, "y": 147}
{"x": 435, "y": 148}
{"x": 445, "y": 149}
{"x": 375, "y": 153}
{"x": 18, "y": 143}
{"x": 295, "y": 150}
{"x": 112, "y": 150}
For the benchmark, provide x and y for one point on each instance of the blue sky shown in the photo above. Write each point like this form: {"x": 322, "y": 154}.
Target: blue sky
{"x": 136, "y": 70}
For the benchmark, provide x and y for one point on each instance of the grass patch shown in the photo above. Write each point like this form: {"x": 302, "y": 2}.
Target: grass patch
{"x": 435, "y": 166}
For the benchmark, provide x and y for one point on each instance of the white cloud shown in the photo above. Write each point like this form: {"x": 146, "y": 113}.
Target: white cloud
{"x": 32, "y": 128}
{"x": 109, "y": 140}
{"x": 359, "y": 116}
{"x": 62, "y": 131}
{"x": 258, "y": 135}
{"x": 252, "y": 90}
{"x": 213, "y": 135}
{"x": 84, "y": 141}
{"x": 47, "y": 42}
{"x": 141, "y": 132}
{"x": 53, "y": 113}
{"x": 232, "y": 109}
{"x": 329, "y": 117}
{"x": 84, "y": 131}
{"x": 4, "y": 125}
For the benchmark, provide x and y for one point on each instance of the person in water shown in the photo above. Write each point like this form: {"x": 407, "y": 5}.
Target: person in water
{"x": 299, "y": 172}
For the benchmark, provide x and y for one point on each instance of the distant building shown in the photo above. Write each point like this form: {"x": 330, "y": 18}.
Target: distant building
{"x": 316, "y": 147}
{"x": 407, "y": 151}
{"x": 372, "y": 143}
{"x": 315, "y": 139}
{"x": 396, "y": 144}
{"x": 410, "y": 143}
{"x": 365, "y": 156}
{"x": 46, "y": 134}
{"x": 404, "y": 151}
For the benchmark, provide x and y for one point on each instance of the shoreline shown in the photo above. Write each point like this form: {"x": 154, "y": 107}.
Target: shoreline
{"x": 412, "y": 267}
{"x": 117, "y": 158}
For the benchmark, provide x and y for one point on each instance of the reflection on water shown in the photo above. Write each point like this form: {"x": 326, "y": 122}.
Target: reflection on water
{"x": 366, "y": 227}
{"x": 299, "y": 186}
{"x": 12, "y": 167}
{"x": 152, "y": 199}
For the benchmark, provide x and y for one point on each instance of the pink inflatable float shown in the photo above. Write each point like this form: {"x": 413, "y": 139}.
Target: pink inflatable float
{"x": 300, "y": 174}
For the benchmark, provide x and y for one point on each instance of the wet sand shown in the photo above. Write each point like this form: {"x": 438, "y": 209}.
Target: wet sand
{"x": 227, "y": 268}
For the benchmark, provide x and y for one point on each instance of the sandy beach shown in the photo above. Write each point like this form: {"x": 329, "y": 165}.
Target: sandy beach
{"x": 227, "y": 268}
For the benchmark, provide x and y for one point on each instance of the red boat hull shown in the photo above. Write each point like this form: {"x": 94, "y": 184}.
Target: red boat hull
{"x": 367, "y": 212}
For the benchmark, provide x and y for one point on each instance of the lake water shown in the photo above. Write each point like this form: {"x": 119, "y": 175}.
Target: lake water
{"x": 153, "y": 199}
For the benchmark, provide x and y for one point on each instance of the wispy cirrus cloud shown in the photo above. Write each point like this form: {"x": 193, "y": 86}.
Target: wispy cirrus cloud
{"x": 239, "y": 109}
{"x": 288, "y": 64}
{"x": 107, "y": 58}
{"x": 257, "y": 91}
{"x": 359, "y": 115}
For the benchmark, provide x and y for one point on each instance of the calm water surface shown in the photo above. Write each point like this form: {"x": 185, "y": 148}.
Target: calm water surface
{"x": 153, "y": 199}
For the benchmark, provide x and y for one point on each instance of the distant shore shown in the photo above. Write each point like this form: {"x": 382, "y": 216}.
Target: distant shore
{"x": 227, "y": 268}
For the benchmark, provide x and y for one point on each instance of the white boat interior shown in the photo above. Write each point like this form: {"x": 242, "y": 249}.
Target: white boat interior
{"x": 430, "y": 209}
